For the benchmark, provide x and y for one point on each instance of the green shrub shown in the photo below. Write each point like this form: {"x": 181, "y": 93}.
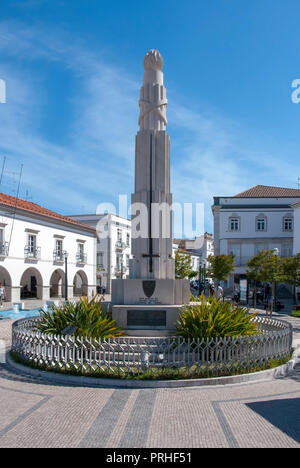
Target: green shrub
{"x": 213, "y": 318}
{"x": 295, "y": 313}
{"x": 86, "y": 316}
{"x": 162, "y": 373}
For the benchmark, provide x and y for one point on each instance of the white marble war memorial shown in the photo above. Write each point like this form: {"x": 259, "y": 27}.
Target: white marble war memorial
{"x": 150, "y": 299}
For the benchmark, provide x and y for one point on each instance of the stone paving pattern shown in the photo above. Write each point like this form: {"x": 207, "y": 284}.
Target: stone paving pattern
{"x": 37, "y": 413}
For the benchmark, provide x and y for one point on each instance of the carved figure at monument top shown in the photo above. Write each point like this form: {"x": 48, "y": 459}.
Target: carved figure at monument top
{"x": 153, "y": 98}
{"x": 153, "y": 60}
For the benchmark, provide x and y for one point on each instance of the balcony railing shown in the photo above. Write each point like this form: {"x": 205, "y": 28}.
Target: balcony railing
{"x": 58, "y": 255}
{"x": 121, "y": 271}
{"x": 81, "y": 258}
{"x": 4, "y": 249}
{"x": 121, "y": 245}
{"x": 33, "y": 253}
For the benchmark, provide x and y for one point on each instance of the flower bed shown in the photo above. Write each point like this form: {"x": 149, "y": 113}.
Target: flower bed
{"x": 155, "y": 358}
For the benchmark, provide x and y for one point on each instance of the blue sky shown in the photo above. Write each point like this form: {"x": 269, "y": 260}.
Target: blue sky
{"x": 73, "y": 70}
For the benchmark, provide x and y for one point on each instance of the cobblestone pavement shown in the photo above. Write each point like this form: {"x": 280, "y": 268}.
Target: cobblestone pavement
{"x": 36, "y": 413}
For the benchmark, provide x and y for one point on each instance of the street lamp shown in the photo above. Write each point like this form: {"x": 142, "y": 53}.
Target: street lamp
{"x": 65, "y": 255}
{"x": 202, "y": 274}
{"x": 276, "y": 253}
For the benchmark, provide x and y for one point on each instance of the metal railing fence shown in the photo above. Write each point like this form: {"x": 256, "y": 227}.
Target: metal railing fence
{"x": 134, "y": 355}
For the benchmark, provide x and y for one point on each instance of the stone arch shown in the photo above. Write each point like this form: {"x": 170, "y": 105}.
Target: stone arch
{"x": 5, "y": 280}
{"x": 57, "y": 283}
{"x": 80, "y": 284}
{"x": 31, "y": 284}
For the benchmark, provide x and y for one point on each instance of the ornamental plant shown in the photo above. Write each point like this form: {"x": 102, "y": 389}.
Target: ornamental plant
{"x": 86, "y": 317}
{"x": 212, "y": 318}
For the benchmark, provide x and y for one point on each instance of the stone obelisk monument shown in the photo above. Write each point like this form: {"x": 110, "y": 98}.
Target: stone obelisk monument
{"x": 137, "y": 302}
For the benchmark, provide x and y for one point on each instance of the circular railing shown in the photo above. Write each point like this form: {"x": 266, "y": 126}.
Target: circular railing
{"x": 130, "y": 355}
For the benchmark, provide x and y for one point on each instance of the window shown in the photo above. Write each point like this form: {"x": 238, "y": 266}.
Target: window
{"x": 235, "y": 250}
{"x": 59, "y": 248}
{"x": 127, "y": 261}
{"x": 119, "y": 259}
{"x": 119, "y": 235}
{"x": 261, "y": 224}
{"x": 81, "y": 256}
{"x": 100, "y": 259}
{"x": 31, "y": 243}
{"x": 3, "y": 244}
{"x": 287, "y": 223}
{"x": 234, "y": 224}
{"x": 31, "y": 249}
{"x": 128, "y": 239}
{"x": 287, "y": 250}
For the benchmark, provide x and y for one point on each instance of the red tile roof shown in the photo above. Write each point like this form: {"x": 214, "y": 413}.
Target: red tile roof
{"x": 265, "y": 191}
{"x": 33, "y": 208}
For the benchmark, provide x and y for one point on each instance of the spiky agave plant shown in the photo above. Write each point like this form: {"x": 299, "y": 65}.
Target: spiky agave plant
{"x": 212, "y": 318}
{"x": 87, "y": 316}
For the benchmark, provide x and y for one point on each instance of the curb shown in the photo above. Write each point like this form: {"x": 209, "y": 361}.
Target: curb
{"x": 61, "y": 379}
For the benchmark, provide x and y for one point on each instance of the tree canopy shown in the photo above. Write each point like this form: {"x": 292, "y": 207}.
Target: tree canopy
{"x": 183, "y": 265}
{"x": 265, "y": 266}
{"x": 221, "y": 266}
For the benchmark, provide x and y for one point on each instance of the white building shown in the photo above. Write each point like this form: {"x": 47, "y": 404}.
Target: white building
{"x": 34, "y": 242}
{"x": 202, "y": 246}
{"x": 113, "y": 246}
{"x": 194, "y": 258}
{"x": 258, "y": 219}
{"x": 296, "y": 244}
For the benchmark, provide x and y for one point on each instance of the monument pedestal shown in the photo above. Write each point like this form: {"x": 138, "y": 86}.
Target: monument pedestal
{"x": 150, "y": 292}
{"x": 150, "y": 320}
{"x": 140, "y": 306}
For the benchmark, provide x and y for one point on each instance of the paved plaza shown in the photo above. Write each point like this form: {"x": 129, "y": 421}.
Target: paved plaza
{"x": 36, "y": 413}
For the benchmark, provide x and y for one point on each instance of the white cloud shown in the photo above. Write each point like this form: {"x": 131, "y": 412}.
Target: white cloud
{"x": 210, "y": 155}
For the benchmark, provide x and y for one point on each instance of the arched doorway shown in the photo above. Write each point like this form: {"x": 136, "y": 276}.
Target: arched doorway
{"x": 80, "y": 284}
{"x": 5, "y": 280}
{"x": 31, "y": 284}
{"x": 57, "y": 284}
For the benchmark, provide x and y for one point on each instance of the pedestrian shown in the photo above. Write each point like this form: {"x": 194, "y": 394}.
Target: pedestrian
{"x": 219, "y": 292}
{"x": 2, "y": 294}
{"x": 267, "y": 293}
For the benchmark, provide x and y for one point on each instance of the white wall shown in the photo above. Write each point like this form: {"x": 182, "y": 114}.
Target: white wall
{"x": 15, "y": 263}
{"x": 248, "y": 241}
{"x": 248, "y": 224}
{"x": 108, "y": 224}
{"x": 296, "y": 230}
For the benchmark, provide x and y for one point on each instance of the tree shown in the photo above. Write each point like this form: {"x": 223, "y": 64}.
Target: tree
{"x": 183, "y": 265}
{"x": 221, "y": 266}
{"x": 266, "y": 266}
{"x": 291, "y": 272}
{"x": 254, "y": 272}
